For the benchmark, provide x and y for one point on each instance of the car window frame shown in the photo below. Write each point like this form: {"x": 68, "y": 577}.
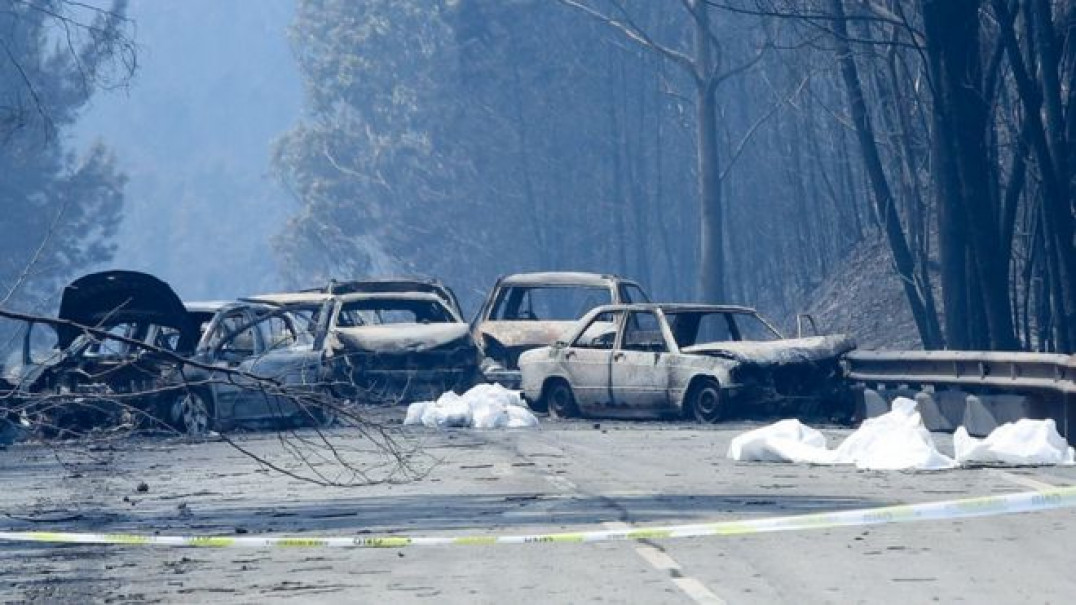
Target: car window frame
{"x": 619, "y": 322}
{"x": 658, "y": 317}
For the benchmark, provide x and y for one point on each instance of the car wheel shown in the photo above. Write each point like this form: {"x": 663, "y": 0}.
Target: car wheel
{"x": 323, "y": 411}
{"x": 706, "y": 403}
{"x": 192, "y": 414}
{"x": 560, "y": 401}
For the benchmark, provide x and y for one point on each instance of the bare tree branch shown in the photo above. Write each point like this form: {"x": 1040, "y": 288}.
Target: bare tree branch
{"x": 635, "y": 33}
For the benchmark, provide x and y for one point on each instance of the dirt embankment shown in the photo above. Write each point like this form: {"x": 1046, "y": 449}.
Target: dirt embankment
{"x": 863, "y": 297}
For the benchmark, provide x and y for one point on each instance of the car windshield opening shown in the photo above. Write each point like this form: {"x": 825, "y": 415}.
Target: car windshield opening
{"x": 392, "y": 311}
{"x": 700, "y": 327}
{"x": 548, "y": 303}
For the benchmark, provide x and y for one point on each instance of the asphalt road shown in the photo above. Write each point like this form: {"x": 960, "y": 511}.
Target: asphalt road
{"x": 569, "y": 476}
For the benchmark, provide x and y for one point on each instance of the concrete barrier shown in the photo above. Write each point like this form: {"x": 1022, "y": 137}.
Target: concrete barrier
{"x": 948, "y": 409}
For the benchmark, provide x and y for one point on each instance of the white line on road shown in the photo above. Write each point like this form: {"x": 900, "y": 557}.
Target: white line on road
{"x": 661, "y": 561}
{"x": 561, "y": 483}
{"x": 1023, "y": 480}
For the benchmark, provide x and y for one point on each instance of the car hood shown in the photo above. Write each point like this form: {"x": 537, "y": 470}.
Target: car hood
{"x": 526, "y": 333}
{"x": 402, "y": 338}
{"x": 113, "y": 297}
{"x": 793, "y": 350}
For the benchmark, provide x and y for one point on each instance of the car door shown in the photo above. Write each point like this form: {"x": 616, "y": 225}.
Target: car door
{"x": 288, "y": 358}
{"x": 639, "y": 369}
{"x": 234, "y": 346}
{"x": 586, "y": 361}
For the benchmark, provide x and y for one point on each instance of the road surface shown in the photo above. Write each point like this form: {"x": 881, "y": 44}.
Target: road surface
{"x": 568, "y": 476}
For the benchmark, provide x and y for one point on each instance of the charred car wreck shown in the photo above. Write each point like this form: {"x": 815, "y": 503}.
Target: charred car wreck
{"x": 75, "y": 379}
{"x": 529, "y": 310}
{"x": 395, "y": 285}
{"x": 390, "y": 347}
{"x": 704, "y": 362}
{"x": 256, "y": 365}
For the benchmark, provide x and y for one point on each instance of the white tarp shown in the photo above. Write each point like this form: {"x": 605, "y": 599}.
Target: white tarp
{"x": 784, "y": 441}
{"x": 485, "y": 406}
{"x": 897, "y": 440}
{"x": 1022, "y": 442}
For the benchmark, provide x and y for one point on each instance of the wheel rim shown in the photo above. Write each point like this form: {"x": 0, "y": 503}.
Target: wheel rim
{"x": 194, "y": 414}
{"x": 325, "y": 414}
{"x": 708, "y": 404}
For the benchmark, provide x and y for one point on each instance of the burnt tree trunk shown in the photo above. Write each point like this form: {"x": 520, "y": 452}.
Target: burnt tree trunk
{"x": 883, "y": 197}
{"x": 961, "y": 127}
{"x": 712, "y": 234}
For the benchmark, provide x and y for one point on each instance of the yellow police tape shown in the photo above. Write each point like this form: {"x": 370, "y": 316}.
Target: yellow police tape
{"x": 1023, "y": 502}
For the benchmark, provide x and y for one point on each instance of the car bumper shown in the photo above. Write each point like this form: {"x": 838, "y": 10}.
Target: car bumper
{"x": 508, "y": 378}
{"x": 407, "y": 386}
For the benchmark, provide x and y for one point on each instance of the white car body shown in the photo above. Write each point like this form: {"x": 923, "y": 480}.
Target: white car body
{"x": 616, "y": 370}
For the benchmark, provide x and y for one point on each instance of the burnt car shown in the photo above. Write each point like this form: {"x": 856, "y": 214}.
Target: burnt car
{"x": 256, "y": 365}
{"x": 389, "y": 285}
{"x": 74, "y": 379}
{"x": 705, "y": 362}
{"x": 529, "y": 310}
{"x": 391, "y": 347}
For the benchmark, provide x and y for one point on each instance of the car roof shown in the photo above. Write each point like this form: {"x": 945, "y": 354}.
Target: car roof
{"x": 676, "y": 308}
{"x": 561, "y": 278}
{"x": 386, "y": 280}
{"x": 424, "y": 296}
{"x": 207, "y": 306}
{"x": 289, "y": 298}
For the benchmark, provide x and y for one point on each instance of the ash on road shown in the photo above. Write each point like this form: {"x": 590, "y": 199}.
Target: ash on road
{"x": 569, "y": 476}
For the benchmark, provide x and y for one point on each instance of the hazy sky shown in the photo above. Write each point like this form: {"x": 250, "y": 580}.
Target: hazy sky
{"x": 216, "y": 85}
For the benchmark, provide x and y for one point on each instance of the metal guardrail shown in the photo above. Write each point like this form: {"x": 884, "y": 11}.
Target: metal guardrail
{"x": 1041, "y": 373}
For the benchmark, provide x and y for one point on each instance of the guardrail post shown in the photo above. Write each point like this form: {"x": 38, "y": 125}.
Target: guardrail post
{"x": 1068, "y": 417}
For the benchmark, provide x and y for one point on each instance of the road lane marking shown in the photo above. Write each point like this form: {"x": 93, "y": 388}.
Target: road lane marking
{"x": 1023, "y": 480}
{"x": 657, "y": 559}
{"x": 561, "y": 483}
{"x": 661, "y": 561}
{"x": 697, "y": 591}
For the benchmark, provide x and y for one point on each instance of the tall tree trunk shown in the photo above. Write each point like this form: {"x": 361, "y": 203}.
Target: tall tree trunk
{"x": 1057, "y": 191}
{"x": 883, "y": 198}
{"x": 712, "y": 234}
{"x": 962, "y": 123}
{"x": 1059, "y": 208}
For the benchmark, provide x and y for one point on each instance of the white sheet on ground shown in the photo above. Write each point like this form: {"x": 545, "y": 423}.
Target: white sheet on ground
{"x": 896, "y": 440}
{"x": 1022, "y": 442}
{"x": 485, "y": 406}
{"x": 893, "y": 441}
{"x": 784, "y": 441}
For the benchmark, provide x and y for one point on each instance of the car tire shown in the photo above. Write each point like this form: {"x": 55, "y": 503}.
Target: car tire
{"x": 559, "y": 400}
{"x": 192, "y": 413}
{"x": 706, "y": 404}
{"x": 324, "y": 416}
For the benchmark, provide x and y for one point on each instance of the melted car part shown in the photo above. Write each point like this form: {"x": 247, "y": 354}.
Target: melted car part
{"x": 116, "y": 297}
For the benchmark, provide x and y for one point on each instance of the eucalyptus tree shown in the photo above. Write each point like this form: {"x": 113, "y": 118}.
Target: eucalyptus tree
{"x": 61, "y": 209}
